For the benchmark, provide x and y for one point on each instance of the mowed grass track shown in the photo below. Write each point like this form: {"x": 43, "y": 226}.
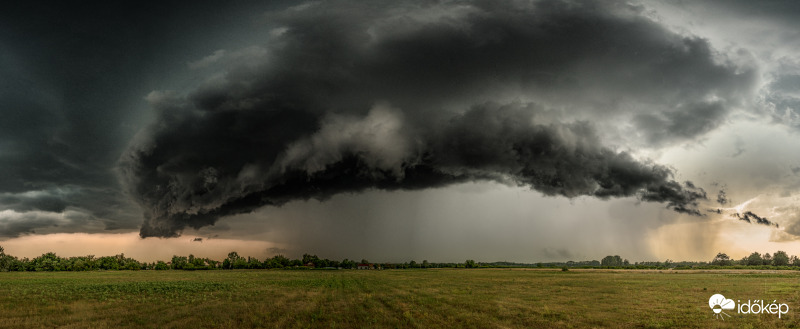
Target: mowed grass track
{"x": 450, "y": 298}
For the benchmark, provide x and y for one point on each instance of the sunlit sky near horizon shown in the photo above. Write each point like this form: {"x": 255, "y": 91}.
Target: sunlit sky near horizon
{"x": 526, "y": 131}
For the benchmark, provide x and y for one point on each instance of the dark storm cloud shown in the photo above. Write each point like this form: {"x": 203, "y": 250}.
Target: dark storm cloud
{"x": 750, "y": 217}
{"x": 12, "y": 226}
{"x": 348, "y": 96}
{"x": 722, "y": 197}
{"x": 488, "y": 142}
{"x": 683, "y": 199}
{"x": 71, "y": 76}
{"x": 61, "y": 126}
{"x": 98, "y": 208}
{"x": 555, "y": 159}
{"x": 41, "y": 175}
{"x": 22, "y": 203}
{"x": 686, "y": 122}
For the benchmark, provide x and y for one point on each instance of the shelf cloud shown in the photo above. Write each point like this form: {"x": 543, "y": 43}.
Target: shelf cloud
{"x": 346, "y": 96}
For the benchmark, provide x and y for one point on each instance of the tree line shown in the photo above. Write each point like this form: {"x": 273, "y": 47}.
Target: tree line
{"x": 779, "y": 258}
{"x": 52, "y": 262}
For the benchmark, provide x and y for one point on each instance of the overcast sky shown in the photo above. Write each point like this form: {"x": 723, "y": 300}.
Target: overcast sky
{"x": 396, "y": 130}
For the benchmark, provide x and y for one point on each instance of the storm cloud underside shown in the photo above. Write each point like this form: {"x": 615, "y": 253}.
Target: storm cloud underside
{"x": 345, "y": 97}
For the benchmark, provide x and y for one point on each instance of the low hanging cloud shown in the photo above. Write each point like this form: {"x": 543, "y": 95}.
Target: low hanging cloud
{"x": 67, "y": 208}
{"x": 488, "y": 142}
{"x": 424, "y": 95}
{"x": 750, "y": 217}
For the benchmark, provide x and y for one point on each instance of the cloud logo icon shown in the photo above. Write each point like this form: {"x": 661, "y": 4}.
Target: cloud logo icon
{"x": 718, "y": 303}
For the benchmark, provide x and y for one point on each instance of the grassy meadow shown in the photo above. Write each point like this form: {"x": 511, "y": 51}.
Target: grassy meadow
{"x": 432, "y": 298}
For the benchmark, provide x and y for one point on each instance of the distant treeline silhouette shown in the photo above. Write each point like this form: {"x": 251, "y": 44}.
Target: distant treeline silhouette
{"x": 52, "y": 262}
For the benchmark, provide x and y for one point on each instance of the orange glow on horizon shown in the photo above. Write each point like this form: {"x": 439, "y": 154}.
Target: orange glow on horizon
{"x": 146, "y": 250}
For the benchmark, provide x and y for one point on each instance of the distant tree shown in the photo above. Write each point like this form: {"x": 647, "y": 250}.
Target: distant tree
{"x": 766, "y": 259}
{"x": 282, "y": 260}
{"x": 133, "y": 265}
{"x": 413, "y": 264}
{"x": 179, "y": 262}
{"x": 611, "y": 261}
{"x": 346, "y": 263}
{"x": 722, "y": 259}
{"x": 277, "y": 261}
{"x": 234, "y": 261}
{"x": 241, "y": 263}
{"x": 311, "y": 259}
{"x": 364, "y": 261}
{"x": 78, "y": 265}
{"x": 425, "y": 264}
{"x": 780, "y": 258}
{"x": 198, "y": 263}
{"x": 253, "y": 263}
{"x": 6, "y": 261}
{"x": 47, "y": 262}
{"x": 795, "y": 261}
{"x": 754, "y": 259}
{"x": 91, "y": 262}
{"x": 214, "y": 264}
{"x": 160, "y": 265}
{"x": 107, "y": 263}
{"x": 470, "y": 263}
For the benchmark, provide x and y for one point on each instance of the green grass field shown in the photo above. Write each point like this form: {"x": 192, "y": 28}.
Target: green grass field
{"x": 451, "y": 298}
